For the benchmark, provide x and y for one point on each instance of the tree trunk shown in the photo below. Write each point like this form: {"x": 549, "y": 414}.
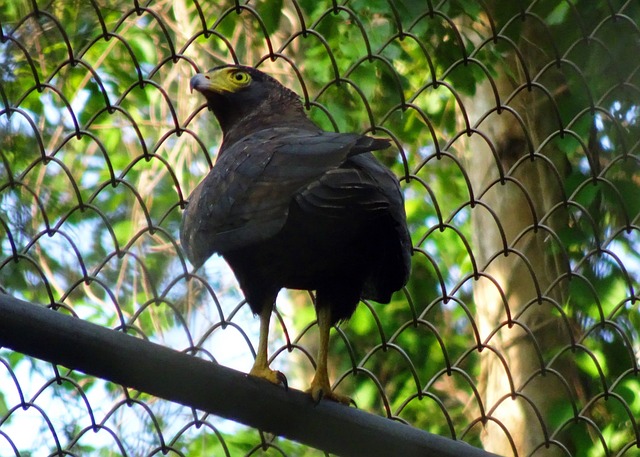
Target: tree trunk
{"x": 518, "y": 286}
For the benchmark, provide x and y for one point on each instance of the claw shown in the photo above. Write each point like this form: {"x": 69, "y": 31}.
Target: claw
{"x": 273, "y": 376}
{"x": 283, "y": 379}
{"x": 319, "y": 391}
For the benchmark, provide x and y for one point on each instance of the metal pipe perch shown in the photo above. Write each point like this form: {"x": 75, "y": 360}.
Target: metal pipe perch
{"x": 148, "y": 367}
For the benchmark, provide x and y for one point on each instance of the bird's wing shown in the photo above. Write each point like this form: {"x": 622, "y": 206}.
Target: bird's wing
{"x": 246, "y": 196}
{"x": 361, "y": 185}
{"x": 362, "y": 188}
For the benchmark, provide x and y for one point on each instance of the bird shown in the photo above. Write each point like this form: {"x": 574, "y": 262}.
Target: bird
{"x": 291, "y": 206}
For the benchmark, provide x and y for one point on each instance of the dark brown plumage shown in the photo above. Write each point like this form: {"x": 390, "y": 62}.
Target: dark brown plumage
{"x": 291, "y": 206}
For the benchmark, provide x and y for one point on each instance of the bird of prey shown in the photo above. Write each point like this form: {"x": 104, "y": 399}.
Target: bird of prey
{"x": 289, "y": 205}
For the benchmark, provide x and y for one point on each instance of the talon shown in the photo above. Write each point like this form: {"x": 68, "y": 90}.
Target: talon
{"x": 318, "y": 392}
{"x": 273, "y": 376}
{"x": 283, "y": 379}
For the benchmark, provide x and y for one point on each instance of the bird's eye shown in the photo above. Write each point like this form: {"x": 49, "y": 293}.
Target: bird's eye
{"x": 240, "y": 77}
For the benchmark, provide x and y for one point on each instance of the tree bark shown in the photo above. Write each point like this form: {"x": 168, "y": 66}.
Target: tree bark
{"x": 518, "y": 287}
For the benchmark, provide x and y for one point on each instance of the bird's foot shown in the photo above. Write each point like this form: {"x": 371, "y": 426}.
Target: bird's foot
{"x": 273, "y": 376}
{"x": 319, "y": 390}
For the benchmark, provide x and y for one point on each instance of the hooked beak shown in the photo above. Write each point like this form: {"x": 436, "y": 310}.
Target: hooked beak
{"x": 200, "y": 82}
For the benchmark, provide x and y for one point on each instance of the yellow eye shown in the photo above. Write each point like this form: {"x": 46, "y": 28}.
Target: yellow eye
{"x": 240, "y": 77}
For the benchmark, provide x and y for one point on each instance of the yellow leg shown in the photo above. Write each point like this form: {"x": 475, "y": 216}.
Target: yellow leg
{"x": 260, "y": 367}
{"x": 320, "y": 385}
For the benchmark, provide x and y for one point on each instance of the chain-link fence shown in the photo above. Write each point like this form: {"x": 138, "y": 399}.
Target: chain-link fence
{"x": 515, "y": 136}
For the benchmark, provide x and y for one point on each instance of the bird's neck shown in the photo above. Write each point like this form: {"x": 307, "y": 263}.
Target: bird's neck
{"x": 260, "y": 119}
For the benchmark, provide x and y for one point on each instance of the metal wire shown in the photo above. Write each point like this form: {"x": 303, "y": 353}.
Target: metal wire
{"x": 100, "y": 146}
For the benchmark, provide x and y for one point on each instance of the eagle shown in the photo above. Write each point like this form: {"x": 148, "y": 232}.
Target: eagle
{"x": 289, "y": 205}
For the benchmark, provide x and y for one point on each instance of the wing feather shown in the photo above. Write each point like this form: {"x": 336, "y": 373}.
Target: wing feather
{"x": 246, "y": 196}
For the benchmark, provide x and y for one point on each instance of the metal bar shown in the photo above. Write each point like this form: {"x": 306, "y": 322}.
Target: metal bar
{"x": 148, "y": 367}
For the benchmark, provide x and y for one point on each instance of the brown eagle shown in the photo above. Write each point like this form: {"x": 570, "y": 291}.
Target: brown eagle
{"x": 289, "y": 205}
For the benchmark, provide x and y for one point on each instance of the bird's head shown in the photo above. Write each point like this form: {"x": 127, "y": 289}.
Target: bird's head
{"x": 243, "y": 98}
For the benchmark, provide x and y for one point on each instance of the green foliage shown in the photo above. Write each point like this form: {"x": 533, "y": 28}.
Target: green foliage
{"x": 93, "y": 173}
